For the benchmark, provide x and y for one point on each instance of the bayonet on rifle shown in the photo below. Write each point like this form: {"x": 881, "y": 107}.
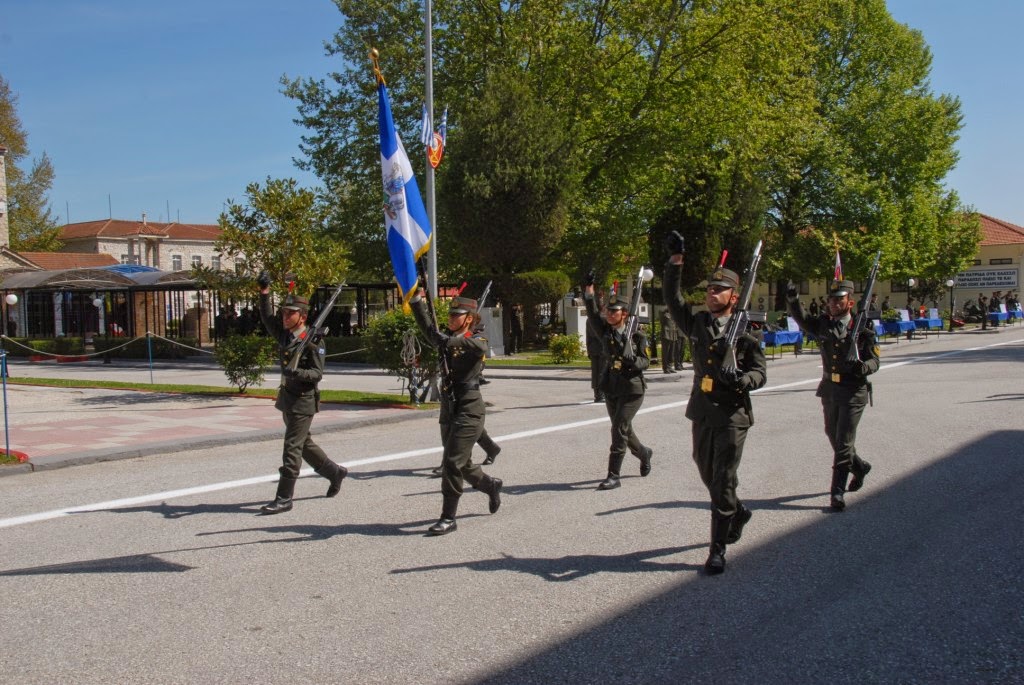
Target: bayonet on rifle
{"x": 737, "y": 325}
{"x": 317, "y": 331}
{"x": 861, "y": 322}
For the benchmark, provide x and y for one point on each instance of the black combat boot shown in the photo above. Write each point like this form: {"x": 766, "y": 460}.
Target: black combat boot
{"x": 614, "y": 468}
{"x": 491, "y": 448}
{"x": 857, "y": 482}
{"x": 740, "y": 519}
{"x": 283, "y": 501}
{"x": 446, "y": 524}
{"x": 645, "y": 461}
{"x": 839, "y": 475}
{"x": 492, "y": 487}
{"x": 334, "y": 473}
{"x": 716, "y": 553}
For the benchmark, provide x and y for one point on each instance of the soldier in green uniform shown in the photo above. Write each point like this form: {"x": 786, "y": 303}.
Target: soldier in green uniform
{"x": 462, "y": 407}
{"x": 622, "y": 382}
{"x": 719, "y": 405}
{"x": 844, "y": 389}
{"x": 298, "y": 398}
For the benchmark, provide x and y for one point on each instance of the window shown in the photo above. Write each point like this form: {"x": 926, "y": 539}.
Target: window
{"x": 124, "y": 259}
{"x": 197, "y": 260}
{"x": 215, "y": 263}
{"x": 898, "y": 287}
{"x": 1001, "y": 260}
{"x": 975, "y": 262}
{"x": 239, "y": 265}
{"x": 175, "y": 262}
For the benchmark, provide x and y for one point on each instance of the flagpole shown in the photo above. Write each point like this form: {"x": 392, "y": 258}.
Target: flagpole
{"x": 432, "y": 265}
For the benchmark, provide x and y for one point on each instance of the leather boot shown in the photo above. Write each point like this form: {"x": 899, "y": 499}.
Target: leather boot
{"x": 645, "y": 461}
{"x": 492, "y": 487}
{"x": 492, "y": 454}
{"x": 283, "y": 501}
{"x": 334, "y": 473}
{"x": 839, "y": 475}
{"x": 614, "y": 467}
{"x": 740, "y": 519}
{"x": 858, "y": 476}
{"x": 446, "y": 524}
{"x": 716, "y": 553}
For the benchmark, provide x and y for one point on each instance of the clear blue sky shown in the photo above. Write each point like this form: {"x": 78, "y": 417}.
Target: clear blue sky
{"x": 157, "y": 102}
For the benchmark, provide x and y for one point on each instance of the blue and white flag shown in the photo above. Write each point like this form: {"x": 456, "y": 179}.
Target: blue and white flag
{"x": 426, "y": 130}
{"x": 405, "y": 218}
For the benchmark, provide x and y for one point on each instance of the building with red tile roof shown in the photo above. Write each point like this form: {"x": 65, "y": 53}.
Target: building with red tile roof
{"x": 167, "y": 246}
{"x": 54, "y": 261}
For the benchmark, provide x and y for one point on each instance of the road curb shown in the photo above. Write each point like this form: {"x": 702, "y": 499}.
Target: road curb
{"x": 58, "y": 461}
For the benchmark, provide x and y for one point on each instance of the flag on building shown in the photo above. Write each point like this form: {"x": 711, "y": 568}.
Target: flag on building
{"x": 406, "y": 223}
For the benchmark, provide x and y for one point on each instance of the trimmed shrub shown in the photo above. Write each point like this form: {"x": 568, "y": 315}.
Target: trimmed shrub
{"x": 244, "y": 359}
{"x": 137, "y": 349}
{"x": 565, "y": 348}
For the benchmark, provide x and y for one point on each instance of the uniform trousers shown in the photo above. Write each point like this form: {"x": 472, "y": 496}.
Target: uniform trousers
{"x": 621, "y": 410}
{"x": 843, "y": 408}
{"x": 717, "y": 452}
{"x": 461, "y": 427}
{"x": 299, "y": 445}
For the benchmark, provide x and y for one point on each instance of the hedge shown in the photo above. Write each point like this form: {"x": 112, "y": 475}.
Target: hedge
{"x": 63, "y": 345}
{"x": 137, "y": 349}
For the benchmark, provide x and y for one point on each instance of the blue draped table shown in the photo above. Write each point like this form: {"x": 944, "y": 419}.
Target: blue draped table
{"x": 927, "y": 324}
{"x": 995, "y": 317}
{"x": 775, "y": 338}
{"x": 898, "y": 327}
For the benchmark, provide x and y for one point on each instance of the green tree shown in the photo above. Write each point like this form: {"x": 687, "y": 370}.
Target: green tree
{"x": 281, "y": 228}
{"x": 32, "y": 226}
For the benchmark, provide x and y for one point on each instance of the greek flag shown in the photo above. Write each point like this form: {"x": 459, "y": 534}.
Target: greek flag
{"x": 405, "y": 218}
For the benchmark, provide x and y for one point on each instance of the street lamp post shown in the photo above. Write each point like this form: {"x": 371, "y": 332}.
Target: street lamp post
{"x": 949, "y": 284}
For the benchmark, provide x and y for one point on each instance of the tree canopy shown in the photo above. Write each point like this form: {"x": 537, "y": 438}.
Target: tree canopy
{"x": 32, "y": 226}
{"x": 579, "y": 132}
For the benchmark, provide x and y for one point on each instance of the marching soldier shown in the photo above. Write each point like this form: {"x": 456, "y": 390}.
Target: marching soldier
{"x": 462, "y": 407}
{"x": 844, "y": 389}
{"x": 719, "y": 405}
{"x": 622, "y": 382}
{"x": 298, "y": 398}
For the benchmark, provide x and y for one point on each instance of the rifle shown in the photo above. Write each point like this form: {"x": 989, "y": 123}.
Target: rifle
{"x": 442, "y": 358}
{"x": 633, "y": 322}
{"x": 737, "y": 325}
{"x": 317, "y": 331}
{"x": 483, "y": 298}
{"x": 861, "y": 322}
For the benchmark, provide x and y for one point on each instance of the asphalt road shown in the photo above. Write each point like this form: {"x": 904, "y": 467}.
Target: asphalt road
{"x": 174, "y": 578}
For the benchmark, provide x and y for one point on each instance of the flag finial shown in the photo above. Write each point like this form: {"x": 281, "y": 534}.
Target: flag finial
{"x": 375, "y": 58}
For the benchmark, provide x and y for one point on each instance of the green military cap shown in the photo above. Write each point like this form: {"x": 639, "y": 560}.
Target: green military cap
{"x": 726, "y": 278}
{"x": 462, "y": 305}
{"x": 616, "y": 302}
{"x": 840, "y": 288}
{"x": 296, "y": 302}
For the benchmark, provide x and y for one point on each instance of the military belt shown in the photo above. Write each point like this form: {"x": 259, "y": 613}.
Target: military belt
{"x": 465, "y": 387}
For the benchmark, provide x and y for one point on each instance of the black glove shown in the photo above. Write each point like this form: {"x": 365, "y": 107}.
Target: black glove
{"x": 674, "y": 243}
{"x": 860, "y": 370}
{"x": 628, "y": 355}
{"x": 263, "y": 280}
{"x": 731, "y": 378}
{"x": 289, "y": 372}
{"x": 589, "y": 278}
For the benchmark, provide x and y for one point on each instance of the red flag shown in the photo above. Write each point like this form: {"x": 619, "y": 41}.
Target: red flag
{"x": 838, "y": 275}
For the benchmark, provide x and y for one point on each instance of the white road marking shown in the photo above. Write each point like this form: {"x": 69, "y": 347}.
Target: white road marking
{"x": 227, "y": 485}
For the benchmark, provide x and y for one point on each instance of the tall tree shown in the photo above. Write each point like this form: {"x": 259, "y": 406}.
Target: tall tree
{"x": 281, "y": 228}
{"x": 32, "y": 225}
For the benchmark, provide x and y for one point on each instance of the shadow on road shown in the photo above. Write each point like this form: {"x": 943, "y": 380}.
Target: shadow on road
{"x": 919, "y": 582}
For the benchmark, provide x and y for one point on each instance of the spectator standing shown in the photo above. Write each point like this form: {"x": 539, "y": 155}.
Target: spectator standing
{"x": 669, "y": 342}
{"x": 515, "y": 339}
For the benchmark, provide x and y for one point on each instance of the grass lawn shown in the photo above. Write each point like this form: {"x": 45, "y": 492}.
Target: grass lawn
{"x": 339, "y": 396}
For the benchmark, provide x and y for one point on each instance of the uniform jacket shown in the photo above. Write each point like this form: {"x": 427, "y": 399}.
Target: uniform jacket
{"x": 464, "y": 354}
{"x": 712, "y": 401}
{"x": 298, "y": 393}
{"x": 669, "y": 332}
{"x": 619, "y": 377}
{"x": 840, "y": 380}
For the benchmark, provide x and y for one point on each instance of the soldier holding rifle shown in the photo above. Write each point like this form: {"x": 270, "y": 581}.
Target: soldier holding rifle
{"x": 724, "y": 372}
{"x": 298, "y": 398}
{"x": 622, "y": 377}
{"x": 849, "y": 354}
